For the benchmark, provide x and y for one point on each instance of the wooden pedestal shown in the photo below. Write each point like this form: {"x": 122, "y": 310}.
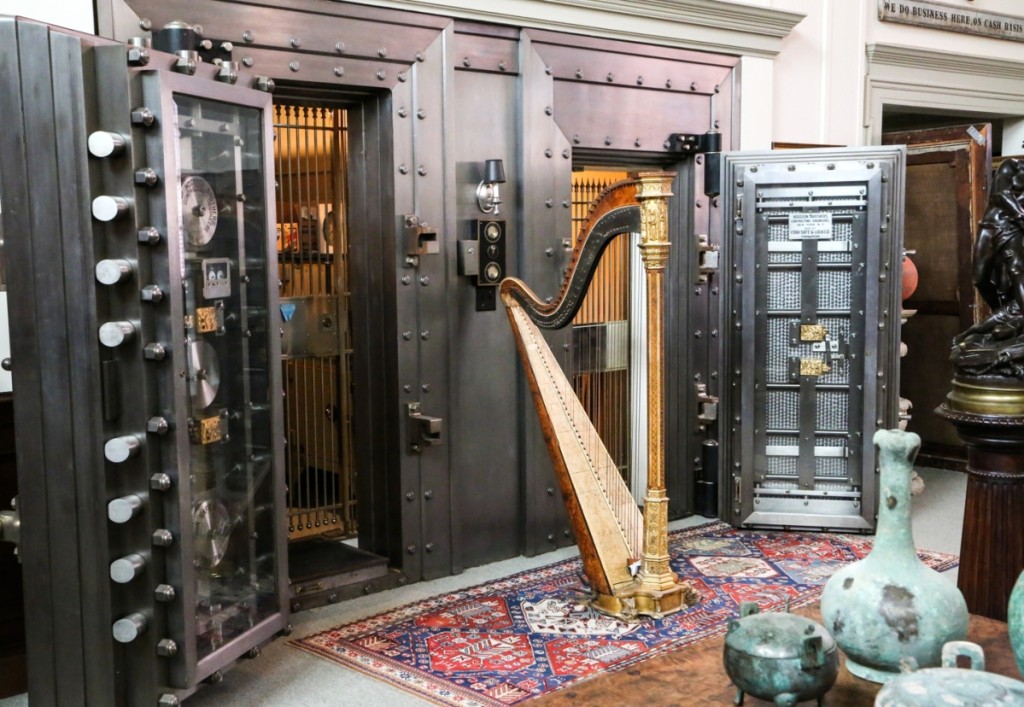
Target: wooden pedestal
{"x": 992, "y": 544}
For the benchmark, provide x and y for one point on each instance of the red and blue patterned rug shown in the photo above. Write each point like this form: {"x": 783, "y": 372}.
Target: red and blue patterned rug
{"x": 519, "y": 637}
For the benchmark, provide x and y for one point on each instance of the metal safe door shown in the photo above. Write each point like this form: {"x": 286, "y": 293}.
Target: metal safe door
{"x": 138, "y": 210}
{"x": 813, "y": 240}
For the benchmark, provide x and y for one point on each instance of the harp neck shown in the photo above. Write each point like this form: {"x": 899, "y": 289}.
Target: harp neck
{"x": 616, "y": 212}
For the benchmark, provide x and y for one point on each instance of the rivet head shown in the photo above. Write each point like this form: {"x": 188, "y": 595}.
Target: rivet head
{"x": 639, "y": 80}
{"x": 407, "y": 389}
{"x": 548, "y": 110}
{"x": 579, "y": 73}
{"x": 549, "y": 203}
{"x": 693, "y": 86}
{"x": 248, "y": 37}
{"x": 382, "y": 52}
{"x": 339, "y": 47}
{"x": 248, "y": 62}
{"x": 421, "y": 170}
{"x": 402, "y": 112}
{"x": 411, "y": 549}
{"x": 668, "y": 83}
{"x": 419, "y": 56}
{"x": 381, "y": 75}
{"x": 294, "y": 65}
{"x": 548, "y": 152}
{"x": 403, "y": 169}
{"x": 421, "y": 114}
{"x": 424, "y": 335}
{"x": 576, "y": 139}
{"x": 425, "y": 280}
{"x": 403, "y": 77}
{"x": 340, "y": 71}
{"x": 566, "y": 153}
{"x": 502, "y": 66}
{"x": 294, "y": 41}
{"x": 407, "y": 335}
{"x": 608, "y": 140}
{"x": 466, "y": 62}
{"x": 610, "y": 77}
{"x": 406, "y": 279}
{"x": 636, "y": 143}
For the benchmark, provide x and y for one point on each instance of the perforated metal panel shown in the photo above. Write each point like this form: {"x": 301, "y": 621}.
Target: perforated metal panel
{"x": 813, "y": 247}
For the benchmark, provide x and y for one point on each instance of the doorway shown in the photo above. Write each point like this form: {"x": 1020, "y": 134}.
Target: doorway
{"x": 949, "y": 160}
{"x": 311, "y": 150}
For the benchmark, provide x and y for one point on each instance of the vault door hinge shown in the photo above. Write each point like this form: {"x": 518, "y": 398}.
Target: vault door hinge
{"x": 709, "y": 145}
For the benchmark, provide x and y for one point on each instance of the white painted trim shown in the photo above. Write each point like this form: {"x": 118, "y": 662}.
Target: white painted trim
{"x": 706, "y": 25}
{"x": 938, "y": 81}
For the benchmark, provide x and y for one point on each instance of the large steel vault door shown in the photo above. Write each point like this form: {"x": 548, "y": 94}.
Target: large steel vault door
{"x": 137, "y": 203}
{"x": 814, "y": 244}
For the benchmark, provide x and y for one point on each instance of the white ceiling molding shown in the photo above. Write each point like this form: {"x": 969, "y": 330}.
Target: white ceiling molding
{"x": 912, "y": 77}
{"x": 707, "y": 25}
{"x": 904, "y": 57}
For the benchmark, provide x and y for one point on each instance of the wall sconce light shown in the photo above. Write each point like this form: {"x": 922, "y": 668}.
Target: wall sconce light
{"x": 488, "y": 195}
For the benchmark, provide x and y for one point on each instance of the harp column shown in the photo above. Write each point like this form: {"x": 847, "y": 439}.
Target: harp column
{"x": 658, "y": 589}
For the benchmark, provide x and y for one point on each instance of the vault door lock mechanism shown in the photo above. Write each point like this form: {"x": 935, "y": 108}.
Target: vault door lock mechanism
{"x": 707, "y": 405}
{"x": 423, "y": 430}
{"x": 10, "y": 525}
{"x": 707, "y": 258}
{"x": 420, "y": 239}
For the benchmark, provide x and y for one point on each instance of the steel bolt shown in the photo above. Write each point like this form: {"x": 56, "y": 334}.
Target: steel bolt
{"x": 163, "y": 537}
{"x": 160, "y": 482}
{"x": 165, "y": 648}
{"x": 143, "y": 116}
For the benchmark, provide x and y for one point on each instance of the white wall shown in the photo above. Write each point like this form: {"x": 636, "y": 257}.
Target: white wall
{"x": 72, "y": 14}
{"x": 819, "y": 87}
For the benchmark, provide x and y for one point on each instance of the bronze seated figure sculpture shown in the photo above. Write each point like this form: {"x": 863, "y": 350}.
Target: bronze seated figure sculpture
{"x": 995, "y": 345}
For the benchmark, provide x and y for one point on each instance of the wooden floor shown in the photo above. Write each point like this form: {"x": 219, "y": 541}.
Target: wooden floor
{"x": 695, "y": 676}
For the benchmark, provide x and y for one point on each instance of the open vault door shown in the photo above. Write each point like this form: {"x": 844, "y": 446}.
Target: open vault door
{"x": 813, "y": 246}
{"x": 138, "y": 207}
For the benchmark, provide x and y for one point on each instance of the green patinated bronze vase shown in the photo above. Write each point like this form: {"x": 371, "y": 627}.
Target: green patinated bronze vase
{"x": 890, "y": 607}
{"x": 1015, "y": 619}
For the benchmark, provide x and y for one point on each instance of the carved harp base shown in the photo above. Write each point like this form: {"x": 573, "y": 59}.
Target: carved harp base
{"x": 645, "y": 602}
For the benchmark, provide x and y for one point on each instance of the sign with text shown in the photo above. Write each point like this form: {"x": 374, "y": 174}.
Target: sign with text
{"x": 953, "y": 18}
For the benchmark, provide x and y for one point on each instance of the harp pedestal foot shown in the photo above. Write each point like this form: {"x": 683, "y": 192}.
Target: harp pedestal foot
{"x": 640, "y": 601}
{"x": 661, "y": 602}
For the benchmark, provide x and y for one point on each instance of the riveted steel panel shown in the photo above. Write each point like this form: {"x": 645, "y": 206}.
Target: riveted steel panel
{"x": 813, "y": 250}
{"x": 546, "y": 221}
{"x": 432, "y": 179}
{"x": 486, "y": 482}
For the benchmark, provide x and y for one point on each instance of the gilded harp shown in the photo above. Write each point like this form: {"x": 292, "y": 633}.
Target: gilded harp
{"x": 612, "y": 533}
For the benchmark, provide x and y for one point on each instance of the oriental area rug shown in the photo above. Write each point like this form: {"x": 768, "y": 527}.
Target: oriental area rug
{"x": 516, "y": 638}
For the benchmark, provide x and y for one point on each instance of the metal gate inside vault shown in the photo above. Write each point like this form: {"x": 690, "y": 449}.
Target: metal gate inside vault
{"x": 310, "y": 151}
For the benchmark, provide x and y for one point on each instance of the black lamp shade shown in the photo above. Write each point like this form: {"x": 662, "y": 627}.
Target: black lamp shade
{"x": 494, "y": 172}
